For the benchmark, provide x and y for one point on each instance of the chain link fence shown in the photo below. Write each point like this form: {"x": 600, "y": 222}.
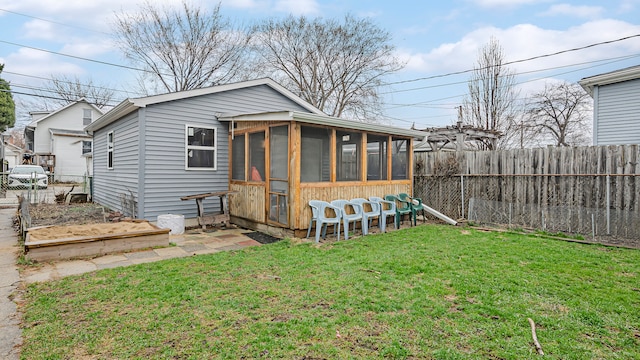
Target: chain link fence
{"x": 39, "y": 190}
{"x": 604, "y": 207}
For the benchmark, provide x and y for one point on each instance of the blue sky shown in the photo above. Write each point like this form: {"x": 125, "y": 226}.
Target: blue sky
{"x": 433, "y": 38}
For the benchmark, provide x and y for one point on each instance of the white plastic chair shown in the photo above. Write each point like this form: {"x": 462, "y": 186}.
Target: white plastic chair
{"x": 368, "y": 215}
{"x": 318, "y": 209}
{"x": 390, "y": 211}
{"x": 350, "y": 212}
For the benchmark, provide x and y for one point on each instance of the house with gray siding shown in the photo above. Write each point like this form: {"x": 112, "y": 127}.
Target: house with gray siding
{"x": 149, "y": 152}
{"x": 616, "y": 106}
{"x": 271, "y": 149}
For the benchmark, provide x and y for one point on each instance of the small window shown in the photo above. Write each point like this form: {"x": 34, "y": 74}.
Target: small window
{"x": 238, "y": 162}
{"x": 256, "y": 157}
{"x": 348, "y": 149}
{"x": 200, "y": 148}
{"x": 86, "y": 147}
{"x": 110, "y": 147}
{"x": 86, "y": 116}
{"x": 399, "y": 159}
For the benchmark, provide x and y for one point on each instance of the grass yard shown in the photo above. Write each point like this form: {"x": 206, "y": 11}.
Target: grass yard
{"x": 426, "y": 292}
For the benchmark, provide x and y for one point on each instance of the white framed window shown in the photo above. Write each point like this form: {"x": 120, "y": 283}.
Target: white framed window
{"x": 110, "y": 147}
{"x": 200, "y": 148}
{"x": 86, "y": 117}
{"x": 86, "y": 147}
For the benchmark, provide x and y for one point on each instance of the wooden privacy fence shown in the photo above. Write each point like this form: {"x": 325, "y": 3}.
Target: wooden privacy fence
{"x": 588, "y": 190}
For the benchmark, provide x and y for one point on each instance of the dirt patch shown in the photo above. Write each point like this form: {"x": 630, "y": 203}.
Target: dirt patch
{"x": 73, "y": 214}
{"x": 88, "y": 230}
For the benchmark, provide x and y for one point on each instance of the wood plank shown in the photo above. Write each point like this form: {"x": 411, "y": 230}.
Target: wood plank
{"x": 96, "y": 247}
{"x": 205, "y": 195}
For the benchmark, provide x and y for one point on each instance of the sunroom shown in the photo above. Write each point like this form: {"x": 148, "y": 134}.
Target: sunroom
{"x": 279, "y": 161}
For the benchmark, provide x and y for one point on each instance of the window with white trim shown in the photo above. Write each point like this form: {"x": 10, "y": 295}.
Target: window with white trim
{"x": 86, "y": 147}
{"x": 110, "y": 146}
{"x": 200, "y": 148}
{"x": 86, "y": 117}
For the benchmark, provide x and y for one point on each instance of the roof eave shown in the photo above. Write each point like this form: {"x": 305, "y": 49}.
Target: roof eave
{"x": 613, "y": 77}
{"x": 124, "y": 108}
{"x": 325, "y": 120}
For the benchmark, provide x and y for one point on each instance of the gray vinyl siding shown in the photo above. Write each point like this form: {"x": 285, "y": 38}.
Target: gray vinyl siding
{"x": 617, "y": 113}
{"x": 165, "y": 177}
{"x": 110, "y": 184}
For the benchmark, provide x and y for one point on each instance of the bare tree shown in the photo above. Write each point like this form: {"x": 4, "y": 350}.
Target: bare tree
{"x": 561, "y": 113}
{"x": 63, "y": 90}
{"x": 337, "y": 66}
{"x": 491, "y": 102}
{"x": 181, "y": 49}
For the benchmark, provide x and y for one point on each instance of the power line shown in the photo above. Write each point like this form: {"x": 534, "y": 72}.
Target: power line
{"x": 76, "y": 57}
{"x": 54, "y": 22}
{"x": 626, "y": 57}
{"x": 517, "y": 61}
{"x": 73, "y": 83}
{"x": 43, "y": 96}
{"x": 606, "y": 62}
{"x": 51, "y": 91}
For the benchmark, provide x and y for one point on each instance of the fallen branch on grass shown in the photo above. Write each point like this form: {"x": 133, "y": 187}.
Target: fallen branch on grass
{"x": 535, "y": 338}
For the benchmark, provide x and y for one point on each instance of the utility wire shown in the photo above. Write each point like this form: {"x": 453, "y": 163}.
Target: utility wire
{"x": 77, "y": 57}
{"x": 54, "y": 22}
{"x": 72, "y": 83}
{"x": 516, "y": 61}
{"x": 43, "y": 96}
{"x": 608, "y": 61}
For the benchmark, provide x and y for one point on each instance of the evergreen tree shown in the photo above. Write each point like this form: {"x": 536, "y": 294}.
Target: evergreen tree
{"x": 7, "y": 105}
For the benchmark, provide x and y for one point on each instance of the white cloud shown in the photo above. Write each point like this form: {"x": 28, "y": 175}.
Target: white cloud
{"x": 87, "y": 48}
{"x": 38, "y": 29}
{"x": 38, "y": 63}
{"x": 244, "y": 4}
{"x": 582, "y": 11}
{"x": 297, "y": 7}
{"x": 506, "y": 3}
{"x": 524, "y": 41}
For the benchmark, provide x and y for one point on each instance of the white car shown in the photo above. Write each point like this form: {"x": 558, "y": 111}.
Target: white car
{"x": 26, "y": 176}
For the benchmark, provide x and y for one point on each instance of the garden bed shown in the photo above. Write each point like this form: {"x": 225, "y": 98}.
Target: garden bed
{"x": 57, "y": 242}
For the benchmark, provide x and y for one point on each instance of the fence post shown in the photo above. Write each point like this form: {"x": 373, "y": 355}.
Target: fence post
{"x": 608, "y": 204}
{"x": 462, "y": 193}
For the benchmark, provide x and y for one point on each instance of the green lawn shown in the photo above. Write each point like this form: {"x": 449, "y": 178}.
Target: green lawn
{"x": 426, "y": 292}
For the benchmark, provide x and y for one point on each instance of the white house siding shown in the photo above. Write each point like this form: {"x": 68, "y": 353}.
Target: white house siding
{"x": 149, "y": 155}
{"x": 110, "y": 184}
{"x": 70, "y": 164}
{"x": 618, "y": 113}
{"x": 68, "y": 119}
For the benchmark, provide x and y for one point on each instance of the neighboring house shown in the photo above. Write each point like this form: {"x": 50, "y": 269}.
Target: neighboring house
{"x": 616, "y": 106}
{"x": 12, "y": 155}
{"x": 274, "y": 150}
{"x": 57, "y": 140}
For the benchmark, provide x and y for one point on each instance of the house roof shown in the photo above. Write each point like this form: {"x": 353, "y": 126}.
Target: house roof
{"x": 74, "y": 133}
{"x": 630, "y": 73}
{"x": 12, "y": 147}
{"x": 34, "y": 123}
{"x": 326, "y": 120}
{"x": 133, "y": 104}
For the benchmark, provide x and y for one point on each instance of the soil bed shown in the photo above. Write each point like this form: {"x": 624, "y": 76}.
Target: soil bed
{"x": 72, "y": 231}
{"x": 74, "y": 214}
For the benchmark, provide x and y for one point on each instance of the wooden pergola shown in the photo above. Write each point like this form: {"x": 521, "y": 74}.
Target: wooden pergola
{"x": 458, "y": 135}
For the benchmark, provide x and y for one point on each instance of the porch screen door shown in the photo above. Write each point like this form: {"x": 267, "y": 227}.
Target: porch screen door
{"x": 279, "y": 175}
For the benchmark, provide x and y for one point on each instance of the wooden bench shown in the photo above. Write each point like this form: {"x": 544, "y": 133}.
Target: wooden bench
{"x": 213, "y": 219}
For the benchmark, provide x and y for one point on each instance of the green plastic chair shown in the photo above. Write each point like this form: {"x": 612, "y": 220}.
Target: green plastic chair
{"x": 402, "y": 208}
{"x": 415, "y": 203}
